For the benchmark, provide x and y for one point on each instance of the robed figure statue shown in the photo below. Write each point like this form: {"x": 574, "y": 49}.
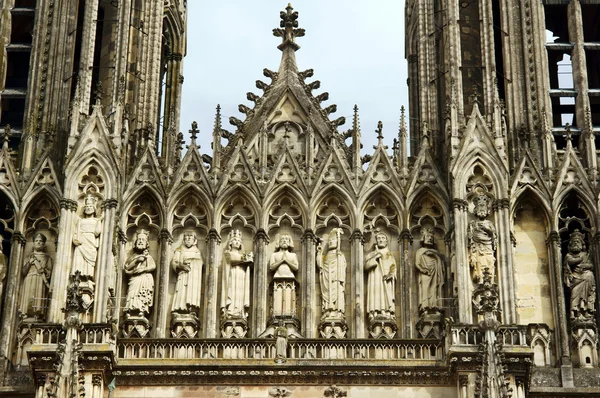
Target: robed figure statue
{"x": 381, "y": 278}
{"x": 331, "y": 262}
{"x": 236, "y": 267}
{"x": 87, "y": 239}
{"x": 430, "y": 277}
{"x": 482, "y": 241}
{"x": 579, "y": 278}
{"x": 187, "y": 264}
{"x": 37, "y": 270}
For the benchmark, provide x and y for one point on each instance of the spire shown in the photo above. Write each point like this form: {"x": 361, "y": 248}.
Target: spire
{"x": 402, "y": 161}
{"x": 216, "y": 144}
{"x": 288, "y": 31}
{"x": 356, "y": 145}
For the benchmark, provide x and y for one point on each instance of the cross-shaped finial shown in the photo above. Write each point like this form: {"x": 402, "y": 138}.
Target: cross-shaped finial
{"x": 193, "y": 132}
{"x": 288, "y": 29}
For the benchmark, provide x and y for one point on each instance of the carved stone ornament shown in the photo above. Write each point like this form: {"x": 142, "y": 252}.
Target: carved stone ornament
{"x": 430, "y": 278}
{"x": 284, "y": 265}
{"x": 380, "y": 265}
{"x": 185, "y": 310}
{"x": 37, "y": 270}
{"x": 140, "y": 287}
{"x": 482, "y": 240}
{"x": 279, "y": 392}
{"x": 579, "y": 277}
{"x": 236, "y": 266}
{"x": 331, "y": 262}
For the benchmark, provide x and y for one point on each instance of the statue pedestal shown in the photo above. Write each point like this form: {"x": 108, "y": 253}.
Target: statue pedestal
{"x": 382, "y": 327}
{"x": 333, "y": 325}
{"x": 291, "y": 323}
{"x": 429, "y": 325}
{"x": 184, "y": 325}
{"x": 135, "y": 325}
{"x": 585, "y": 342}
{"x": 233, "y": 327}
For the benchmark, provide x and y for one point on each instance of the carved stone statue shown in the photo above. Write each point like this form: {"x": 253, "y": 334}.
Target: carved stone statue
{"x": 86, "y": 240}
{"x": 579, "y": 278}
{"x": 482, "y": 241}
{"x": 430, "y": 267}
{"x": 37, "y": 270}
{"x": 187, "y": 264}
{"x": 331, "y": 262}
{"x": 381, "y": 279}
{"x": 281, "y": 340}
{"x": 236, "y": 278}
{"x": 284, "y": 263}
{"x": 139, "y": 267}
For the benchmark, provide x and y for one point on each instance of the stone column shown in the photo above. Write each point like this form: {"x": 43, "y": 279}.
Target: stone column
{"x": 97, "y": 386}
{"x": 404, "y": 274}
{"x": 121, "y": 256}
{"x": 62, "y": 263}
{"x": 307, "y": 286}
{"x": 260, "y": 304}
{"x": 463, "y": 274}
{"x": 9, "y": 309}
{"x": 161, "y": 291}
{"x": 212, "y": 278}
{"x": 357, "y": 299}
{"x": 503, "y": 262}
{"x": 562, "y": 332}
{"x": 104, "y": 265}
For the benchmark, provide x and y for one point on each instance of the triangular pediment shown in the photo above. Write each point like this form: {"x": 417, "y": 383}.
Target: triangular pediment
{"x": 146, "y": 173}
{"x": 334, "y": 170}
{"x": 527, "y": 175}
{"x": 571, "y": 173}
{"x": 44, "y": 175}
{"x": 94, "y": 136}
{"x": 238, "y": 171}
{"x": 288, "y": 109}
{"x": 478, "y": 140}
{"x": 426, "y": 175}
{"x": 8, "y": 176}
{"x": 381, "y": 170}
{"x": 287, "y": 172}
{"x": 191, "y": 171}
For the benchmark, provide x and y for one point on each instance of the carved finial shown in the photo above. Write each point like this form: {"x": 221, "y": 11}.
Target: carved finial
{"x": 474, "y": 97}
{"x": 193, "y": 133}
{"x": 568, "y": 133}
{"x": 150, "y": 137}
{"x": 98, "y": 93}
{"x": 425, "y": 142}
{"x": 6, "y": 137}
{"x": 356, "y": 121}
{"x": 379, "y": 132}
{"x": 288, "y": 29}
{"x": 122, "y": 89}
{"x": 218, "y": 125}
{"x": 402, "y": 132}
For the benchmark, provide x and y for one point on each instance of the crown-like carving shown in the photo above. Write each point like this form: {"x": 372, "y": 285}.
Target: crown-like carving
{"x": 91, "y": 200}
{"x": 142, "y": 232}
{"x": 235, "y": 233}
{"x": 481, "y": 200}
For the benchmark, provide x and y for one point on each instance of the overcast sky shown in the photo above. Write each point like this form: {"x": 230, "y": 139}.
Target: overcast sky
{"x": 356, "y": 48}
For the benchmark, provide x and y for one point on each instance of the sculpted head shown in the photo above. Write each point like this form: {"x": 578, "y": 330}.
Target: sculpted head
{"x": 142, "y": 240}
{"x": 427, "y": 237}
{"x": 284, "y": 242}
{"x": 576, "y": 242}
{"x": 381, "y": 240}
{"x": 89, "y": 205}
{"x": 333, "y": 240}
{"x": 481, "y": 209}
{"x": 235, "y": 240}
{"x": 189, "y": 239}
{"x": 39, "y": 241}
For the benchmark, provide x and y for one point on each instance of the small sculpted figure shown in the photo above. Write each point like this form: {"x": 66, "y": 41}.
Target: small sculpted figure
{"x": 331, "y": 262}
{"x": 187, "y": 264}
{"x": 37, "y": 270}
{"x": 381, "y": 279}
{"x": 139, "y": 267}
{"x": 430, "y": 267}
{"x": 482, "y": 241}
{"x": 284, "y": 264}
{"x": 579, "y": 278}
{"x": 236, "y": 278}
{"x": 281, "y": 339}
{"x": 87, "y": 239}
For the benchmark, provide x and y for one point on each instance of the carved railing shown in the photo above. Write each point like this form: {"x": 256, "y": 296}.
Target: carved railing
{"x": 297, "y": 349}
{"x": 91, "y": 333}
{"x": 470, "y": 335}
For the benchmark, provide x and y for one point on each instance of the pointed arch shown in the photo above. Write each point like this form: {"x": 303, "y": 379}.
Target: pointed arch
{"x": 43, "y": 203}
{"x": 332, "y": 190}
{"x": 82, "y": 164}
{"x": 523, "y": 193}
{"x": 175, "y": 199}
{"x": 367, "y": 200}
{"x": 489, "y": 165}
{"x": 155, "y": 221}
{"x": 247, "y": 201}
{"x": 280, "y": 192}
{"x": 584, "y": 198}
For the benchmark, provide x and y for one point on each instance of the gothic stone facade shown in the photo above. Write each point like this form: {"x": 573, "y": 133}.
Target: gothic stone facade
{"x": 287, "y": 262}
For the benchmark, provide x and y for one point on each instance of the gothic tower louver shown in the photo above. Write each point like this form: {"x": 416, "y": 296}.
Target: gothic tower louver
{"x": 461, "y": 262}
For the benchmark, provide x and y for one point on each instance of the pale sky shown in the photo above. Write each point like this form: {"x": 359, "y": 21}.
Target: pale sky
{"x": 356, "y": 48}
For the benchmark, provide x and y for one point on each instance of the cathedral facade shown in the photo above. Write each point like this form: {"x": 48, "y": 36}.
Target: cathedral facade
{"x": 461, "y": 262}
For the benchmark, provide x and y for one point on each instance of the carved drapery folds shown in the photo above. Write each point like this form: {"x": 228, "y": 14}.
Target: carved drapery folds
{"x": 35, "y": 290}
{"x": 482, "y": 240}
{"x": 235, "y": 303}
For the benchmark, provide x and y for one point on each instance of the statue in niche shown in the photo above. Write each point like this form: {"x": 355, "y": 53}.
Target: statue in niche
{"x": 579, "y": 278}
{"x": 87, "y": 239}
{"x": 139, "y": 267}
{"x": 187, "y": 264}
{"x": 381, "y": 279}
{"x": 331, "y": 262}
{"x": 37, "y": 270}
{"x": 482, "y": 241}
{"x": 281, "y": 340}
{"x": 430, "y": 267}
{"x": 236, "y": 278}
{"x": 284, "y": 263}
